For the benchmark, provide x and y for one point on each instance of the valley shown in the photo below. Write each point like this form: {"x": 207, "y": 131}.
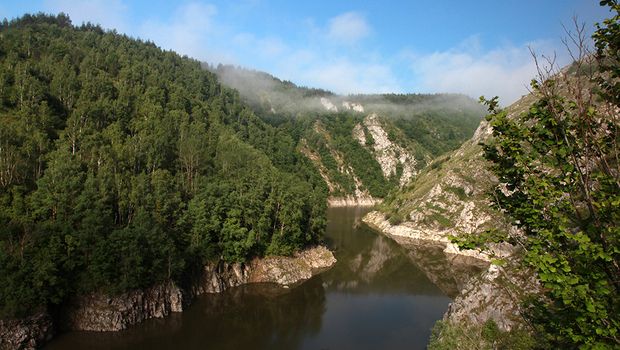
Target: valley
{"x": 152, "y": 200}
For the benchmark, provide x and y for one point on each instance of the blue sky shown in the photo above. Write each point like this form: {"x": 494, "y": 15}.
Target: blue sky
{"x": 472, "y": 47}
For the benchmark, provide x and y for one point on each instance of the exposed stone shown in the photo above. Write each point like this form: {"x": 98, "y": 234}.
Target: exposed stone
{"x": 494, "y": 295}
{"x": 405, "y": 232}
{"x": 217, "y": 277}
{"x": 99, "y": 312}
{"x": 351, "y": 201}
{"x": 387, "y": 153}
{"x": 328, "y": 105}
{"x": 343, "y": 167}
{"x": 353, "y": 106}
{"x": 287, "y": 271}
{"x": 26, "y": 333}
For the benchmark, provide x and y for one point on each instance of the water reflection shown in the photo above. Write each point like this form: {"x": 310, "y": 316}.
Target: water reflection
{"x": 448, "y": 272}
{"x": 378, "y": 295}
{"x": 249, "y": 317}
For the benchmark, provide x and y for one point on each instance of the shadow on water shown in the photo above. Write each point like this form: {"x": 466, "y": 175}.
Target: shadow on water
{"x": 378, "y": 295}
{"x": 259, "y": 316}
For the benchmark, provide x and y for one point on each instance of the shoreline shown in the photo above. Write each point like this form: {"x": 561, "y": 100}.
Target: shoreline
{"x": 350, "y": 201}
{"x": 402, "y": 233}
{"x": 105, "y": 313}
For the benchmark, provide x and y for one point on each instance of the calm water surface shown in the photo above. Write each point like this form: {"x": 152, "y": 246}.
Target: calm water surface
{"x": 378, "y": 296}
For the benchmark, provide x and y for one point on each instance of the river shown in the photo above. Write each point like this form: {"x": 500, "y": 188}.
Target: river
{"x": 378, "y": 296}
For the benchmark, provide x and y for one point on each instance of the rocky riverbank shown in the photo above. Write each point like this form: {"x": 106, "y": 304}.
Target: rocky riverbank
{"x": 352, "y": 201}
{"x": 406, "y": 232}
{"x": 493, "y": 295}
{"x": 26, "y": 333}
{"x": 98, "y": 312}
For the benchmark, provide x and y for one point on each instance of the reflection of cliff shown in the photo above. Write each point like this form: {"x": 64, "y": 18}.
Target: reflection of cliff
{"x": 370, "y": 262}
{"x": 448, "y": 272}
{"x": 261, "y": 316}
{"x": 380, "y": 252}
{"x": 364, "y": 258}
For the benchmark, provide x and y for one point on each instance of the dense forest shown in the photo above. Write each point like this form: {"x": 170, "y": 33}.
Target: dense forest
{"x": 122, "y": 165}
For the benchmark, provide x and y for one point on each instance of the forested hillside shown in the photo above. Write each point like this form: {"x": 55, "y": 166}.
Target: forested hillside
{"x": 122, "y": 165}
{"x": 363, "y": 145}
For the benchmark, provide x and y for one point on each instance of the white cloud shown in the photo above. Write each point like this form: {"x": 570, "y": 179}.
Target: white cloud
{"x": 110, "y": 14}
{"x": 344, "y": 76}
{"x": 191, "y": 30}
{"x": 266, "y": 47}
{"x": 503, "y": 71}
{"x": 348, "y": 28}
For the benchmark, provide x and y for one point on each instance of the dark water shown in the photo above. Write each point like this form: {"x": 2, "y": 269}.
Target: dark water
{"x": 378, "y": 296}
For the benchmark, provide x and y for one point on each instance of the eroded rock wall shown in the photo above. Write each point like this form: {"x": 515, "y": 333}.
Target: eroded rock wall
{"x": 100, "y": 312}
{"x": 27, "y": 333}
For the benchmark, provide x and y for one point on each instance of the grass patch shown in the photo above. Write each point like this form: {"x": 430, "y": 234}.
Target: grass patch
{"x": 448, "y": 336}
{"x": 458, "y": 191}
{"x": 440, "y": 219}
{"x": 395, "y": 219}
{"x": 435, "y": 208}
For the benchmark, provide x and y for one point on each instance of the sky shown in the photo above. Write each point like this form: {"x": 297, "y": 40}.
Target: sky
{"x": 425, "y": 46}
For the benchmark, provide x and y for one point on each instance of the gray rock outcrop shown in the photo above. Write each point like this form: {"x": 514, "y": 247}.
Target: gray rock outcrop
{"x": 27, "y": 333}
{"x": 98, "y": 312}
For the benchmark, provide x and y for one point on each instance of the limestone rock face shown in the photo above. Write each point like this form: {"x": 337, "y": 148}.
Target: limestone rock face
{"x": 98, "y": 312}
{"x": 494, "y": 295}
{"x": 217, "y": 277}
{"x": 282, "y": 270}
{"x": 27, "y": 333}
{"x": 406, "y": 232}
{"x": 328, "y": 105}
{"x": 288, "y": 271}
{"x": 388, "y": 154}
{"x": 489, "y": 296}
{"x": 451, "y": 197}
{"x": 352, "y": 201}
{"x": 353, "y": 106}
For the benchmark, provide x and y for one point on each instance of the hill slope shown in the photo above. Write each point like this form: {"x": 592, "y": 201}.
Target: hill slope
{"x": 122, "y": 165}
{"x": 363, "y": 145}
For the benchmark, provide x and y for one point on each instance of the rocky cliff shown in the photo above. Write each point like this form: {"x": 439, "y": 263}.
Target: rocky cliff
{"x": 27, "y": 333}
{"x": 389, "y": 154}
{"x": 281, "y": 270}
{"x": 495, "y": 295}
{"x": 349, "y": 184}
{"x": 450, "y": 198}
{"x": 99, "y": 312}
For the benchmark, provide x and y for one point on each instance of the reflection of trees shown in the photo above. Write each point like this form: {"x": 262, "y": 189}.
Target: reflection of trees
{"x": 255, "y": 316}
{"x": 258, "y": 316}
